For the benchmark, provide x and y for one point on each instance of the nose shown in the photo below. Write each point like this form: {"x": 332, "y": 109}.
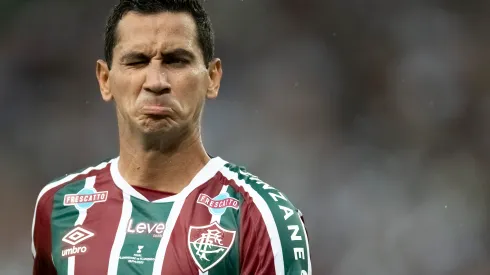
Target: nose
{"x": 156, "y": 80}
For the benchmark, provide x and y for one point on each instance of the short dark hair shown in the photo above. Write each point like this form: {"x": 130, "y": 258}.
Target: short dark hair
{"x": 205, "y": 33}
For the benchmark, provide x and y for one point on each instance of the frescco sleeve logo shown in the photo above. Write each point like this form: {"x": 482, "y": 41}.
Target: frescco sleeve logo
{"x": 85, "y": 198}
{"x": 218, "y": 204}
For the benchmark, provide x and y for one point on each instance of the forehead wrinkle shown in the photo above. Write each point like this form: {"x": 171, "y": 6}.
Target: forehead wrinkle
{"x": 157, "y": 32}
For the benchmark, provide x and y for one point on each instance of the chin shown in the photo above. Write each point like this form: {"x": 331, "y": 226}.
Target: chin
{"x": 157, "y": 124}
{"x": 163, "y": 138}
{"x": 161, "y": 128}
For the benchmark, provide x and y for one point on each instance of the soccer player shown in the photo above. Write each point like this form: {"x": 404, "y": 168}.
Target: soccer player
{"x": 164, "y": 205}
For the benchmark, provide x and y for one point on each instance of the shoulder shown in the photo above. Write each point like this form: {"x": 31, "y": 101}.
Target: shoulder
{"x": 266, "y": 197}
{"x": 269, "y": 210}
{"x": 56, "y": 184}
{"x": 44, "y": 202}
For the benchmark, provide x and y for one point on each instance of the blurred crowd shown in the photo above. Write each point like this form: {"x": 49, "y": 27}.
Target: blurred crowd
{"x": 372, "y": 116}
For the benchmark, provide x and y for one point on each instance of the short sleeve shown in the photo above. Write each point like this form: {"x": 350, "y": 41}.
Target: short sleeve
{"x": 269, "y": 247}
{"x": 41, "y": 237}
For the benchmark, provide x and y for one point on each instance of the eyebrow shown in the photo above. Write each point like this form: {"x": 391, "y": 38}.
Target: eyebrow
{"x": 179, "y": 52}
{"x": 135, "y": 55}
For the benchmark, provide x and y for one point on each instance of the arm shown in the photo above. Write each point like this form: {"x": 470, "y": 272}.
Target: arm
{"x": 41, "y": 237}
{"x": 264, "y": 252}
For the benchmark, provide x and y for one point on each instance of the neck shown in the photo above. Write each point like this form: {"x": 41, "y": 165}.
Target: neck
{"x": 168, "y": 169}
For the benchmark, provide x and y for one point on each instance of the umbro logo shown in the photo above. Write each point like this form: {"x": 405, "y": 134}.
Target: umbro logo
{"x": 74, "y": 237}
{"x": 77, "y": 235}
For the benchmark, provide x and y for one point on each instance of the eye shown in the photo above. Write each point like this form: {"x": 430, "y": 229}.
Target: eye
{"x": 136, "y": 63}
{"x": 176, "y": 61}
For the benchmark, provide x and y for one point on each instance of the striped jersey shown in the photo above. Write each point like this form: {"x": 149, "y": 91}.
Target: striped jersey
{"x": 226, "y": 221}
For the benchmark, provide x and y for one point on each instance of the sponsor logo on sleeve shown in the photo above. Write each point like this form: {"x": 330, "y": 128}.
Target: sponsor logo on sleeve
{"x": 85, "y": 198}
{"x": 218, "y": 204}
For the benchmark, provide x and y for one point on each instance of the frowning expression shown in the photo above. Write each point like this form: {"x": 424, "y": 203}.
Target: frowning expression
{"x": 158, "y": 77}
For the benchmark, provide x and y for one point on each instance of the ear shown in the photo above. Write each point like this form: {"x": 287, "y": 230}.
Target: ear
{"x": 215, "y": 73}
{"x": 102, "y": 73}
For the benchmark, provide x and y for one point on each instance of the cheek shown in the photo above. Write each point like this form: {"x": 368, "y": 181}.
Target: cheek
{"x": 125, "y": 89}
{"x": 192, "y": 87}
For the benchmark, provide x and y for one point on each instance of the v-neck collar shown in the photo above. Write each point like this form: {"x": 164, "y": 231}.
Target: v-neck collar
{"x": 205, "y": 174}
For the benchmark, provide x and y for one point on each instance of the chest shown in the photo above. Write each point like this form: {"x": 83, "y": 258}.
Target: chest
{"x": 130, "y": 236}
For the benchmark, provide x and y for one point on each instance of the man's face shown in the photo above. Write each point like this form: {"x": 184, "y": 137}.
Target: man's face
{"x": 158, "y": 78}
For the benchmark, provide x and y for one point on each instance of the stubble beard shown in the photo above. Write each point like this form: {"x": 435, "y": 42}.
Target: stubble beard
{"x": 165, "y": 139}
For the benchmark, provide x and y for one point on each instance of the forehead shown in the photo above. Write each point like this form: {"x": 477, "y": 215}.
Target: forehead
{"x": 149, "y": 32}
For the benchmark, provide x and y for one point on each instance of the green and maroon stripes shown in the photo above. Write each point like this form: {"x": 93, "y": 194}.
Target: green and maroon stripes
{"x": 282, "y": 221}
{"x": 196, "y": 214}
{"x": 102, "y": 219}
{"x": 42, "y": 233}
{"x": 62, "y": 221}
{"x": 126, "y": 234}
{"x": 143, "y": 234}
{"x": 229, "y": 220}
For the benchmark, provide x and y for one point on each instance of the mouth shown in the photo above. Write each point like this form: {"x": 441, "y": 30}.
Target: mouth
{"x": 156, "y": 110}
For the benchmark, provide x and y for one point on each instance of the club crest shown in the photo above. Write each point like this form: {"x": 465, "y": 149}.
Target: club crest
{"x": 209, "y": 244}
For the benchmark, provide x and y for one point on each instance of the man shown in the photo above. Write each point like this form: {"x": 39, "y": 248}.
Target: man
{"x": 164, "y": 206}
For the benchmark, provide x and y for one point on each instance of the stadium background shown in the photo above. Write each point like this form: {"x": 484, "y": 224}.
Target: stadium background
{"x": 372, "y": 116}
